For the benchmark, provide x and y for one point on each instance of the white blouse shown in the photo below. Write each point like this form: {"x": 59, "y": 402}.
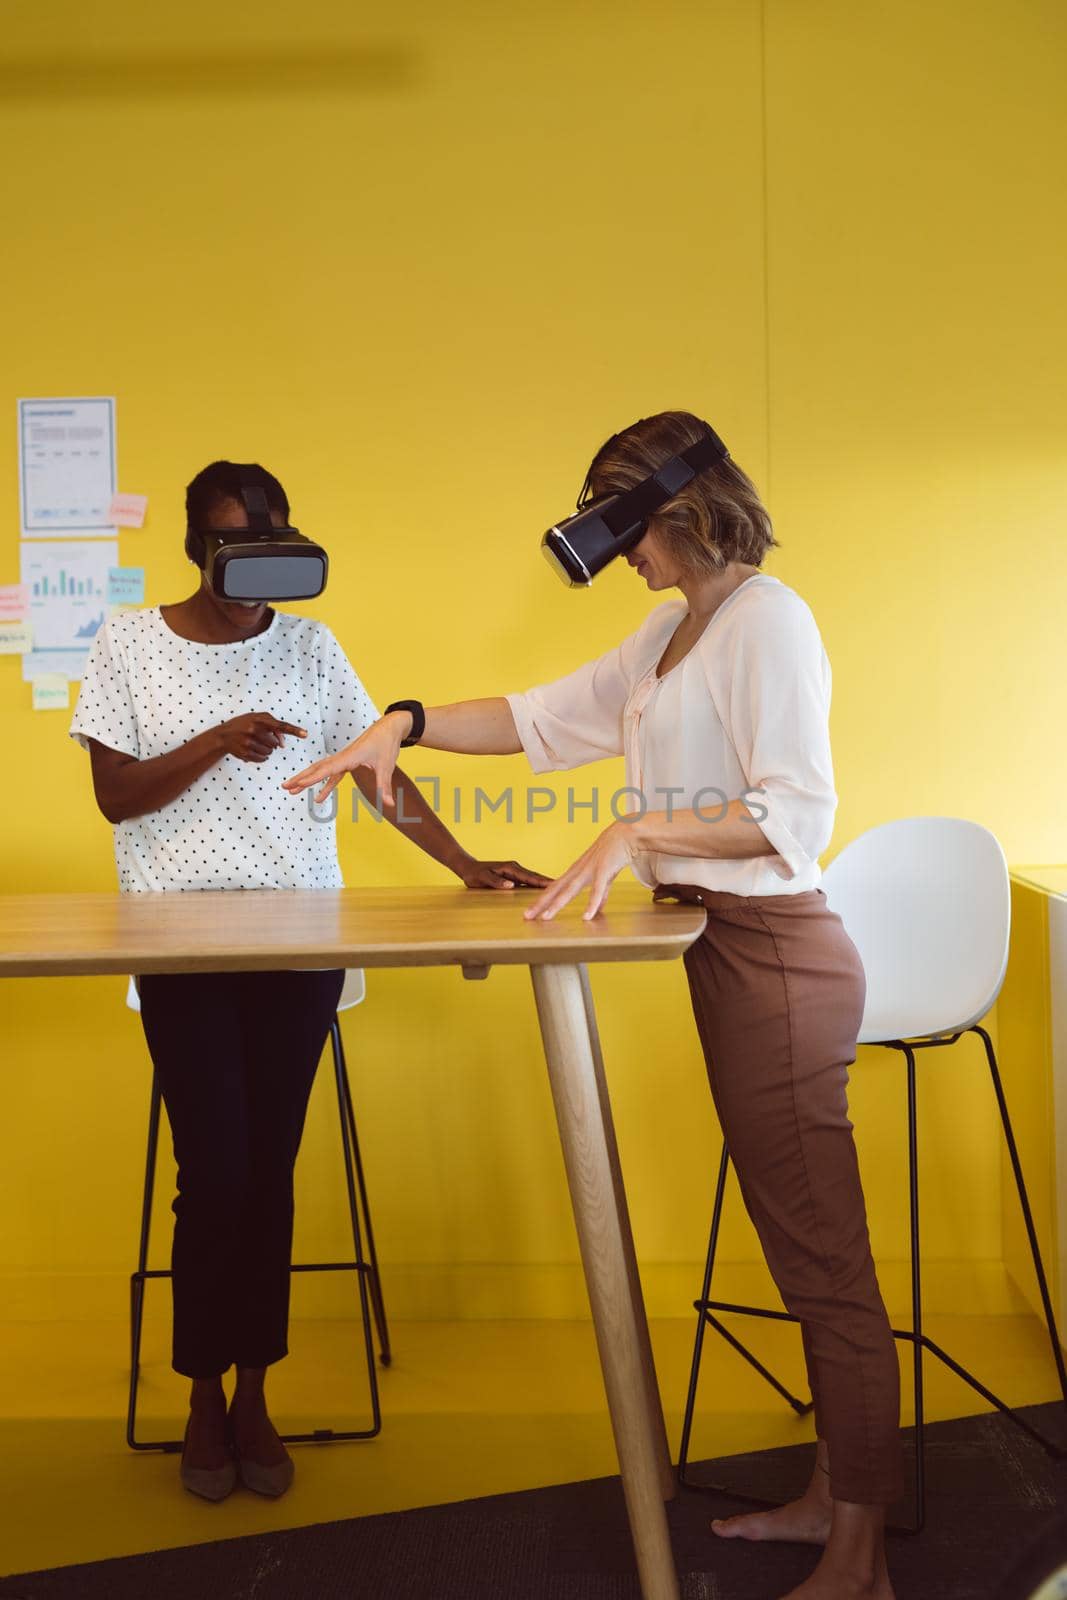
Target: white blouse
{"x": 747, "y": 709}
{"x": 147, "y": 691}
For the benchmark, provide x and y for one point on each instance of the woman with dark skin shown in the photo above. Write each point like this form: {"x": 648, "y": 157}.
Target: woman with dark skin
{"x": 726, "y": 693}
{"x": 191, "y": 714}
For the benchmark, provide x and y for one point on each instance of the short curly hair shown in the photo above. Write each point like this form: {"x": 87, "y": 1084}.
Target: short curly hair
{"x": 224, "y": 480}
{"x": 715, "y": 519}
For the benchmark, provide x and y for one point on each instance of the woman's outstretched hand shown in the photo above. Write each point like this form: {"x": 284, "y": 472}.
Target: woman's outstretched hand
{"x": 376, "y": 749}
{"x": 596, "y": 870}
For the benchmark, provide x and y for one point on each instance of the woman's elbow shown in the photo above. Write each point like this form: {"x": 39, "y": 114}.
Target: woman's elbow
{"x": 112, "y": 808}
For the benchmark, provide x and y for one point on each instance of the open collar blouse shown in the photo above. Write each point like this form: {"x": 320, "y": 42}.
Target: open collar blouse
{"x": 743, "y": 716}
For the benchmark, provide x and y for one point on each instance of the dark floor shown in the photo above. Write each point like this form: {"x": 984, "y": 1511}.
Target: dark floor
{"x": 996, "y": 1526}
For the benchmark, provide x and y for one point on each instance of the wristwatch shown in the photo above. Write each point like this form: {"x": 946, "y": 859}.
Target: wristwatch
{"x": 418, "y": 718}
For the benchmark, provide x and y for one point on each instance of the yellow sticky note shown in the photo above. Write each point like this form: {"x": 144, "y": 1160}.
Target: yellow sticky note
{"x": 15, "y": 638}
{"x": 51, "y": 692}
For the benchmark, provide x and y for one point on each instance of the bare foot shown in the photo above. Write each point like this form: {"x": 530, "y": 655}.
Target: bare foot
{"x": 826, "y": 1583}
{"x": 254, "y": 1433}
{"x": 804, "y": 1521}
{"x": 853, "y": 1565}
{"x": 206, "y": 1444}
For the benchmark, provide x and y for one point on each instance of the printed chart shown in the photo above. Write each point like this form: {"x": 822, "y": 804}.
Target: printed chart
{"x": 68, "y": 587}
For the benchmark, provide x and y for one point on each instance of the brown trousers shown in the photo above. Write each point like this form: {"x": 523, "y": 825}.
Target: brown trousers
{"x": 778, "y": 989}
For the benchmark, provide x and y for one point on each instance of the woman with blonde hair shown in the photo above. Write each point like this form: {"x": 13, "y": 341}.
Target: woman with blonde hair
{"x": 725, "y": 693}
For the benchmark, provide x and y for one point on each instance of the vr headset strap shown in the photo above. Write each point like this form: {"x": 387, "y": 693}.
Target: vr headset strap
{"x": 639, "y": 503}
{"x": 255, "y": 504}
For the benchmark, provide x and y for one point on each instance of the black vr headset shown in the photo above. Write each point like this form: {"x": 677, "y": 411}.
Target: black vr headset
{"x": 260, "y": 562}
{"x": 582, "y": 545}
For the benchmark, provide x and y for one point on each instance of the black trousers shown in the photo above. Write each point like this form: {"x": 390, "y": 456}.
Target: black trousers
{"x": 236, "y": 1055}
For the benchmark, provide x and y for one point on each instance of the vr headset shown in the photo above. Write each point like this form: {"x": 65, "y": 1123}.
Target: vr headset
{"x": 260, "y": 562}
{"x": 582, "y": 545}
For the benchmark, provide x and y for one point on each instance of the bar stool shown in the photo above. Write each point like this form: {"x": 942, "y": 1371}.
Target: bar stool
{"x": 926, "y": 901}
{"x": 372, "y": 1305}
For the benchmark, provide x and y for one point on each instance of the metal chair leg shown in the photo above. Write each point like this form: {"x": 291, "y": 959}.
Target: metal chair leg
{"x": 703, "y": 1308}
{"x": 344, "y": 1106}
{"x": 137, "y": 1279}
{"x": 698, "y": 1344}
{"x": 922, "y": 1341}
{"x": 374, "y": 1276}
{"x": 916, "y": 1297}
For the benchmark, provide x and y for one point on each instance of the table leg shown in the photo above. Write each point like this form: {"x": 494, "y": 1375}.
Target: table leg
{"x": 584, "y": 1118}
{"x": 653, "y": 1399}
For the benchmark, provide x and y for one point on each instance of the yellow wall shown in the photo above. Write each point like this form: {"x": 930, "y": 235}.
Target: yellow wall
{"x": 420, "y": 263}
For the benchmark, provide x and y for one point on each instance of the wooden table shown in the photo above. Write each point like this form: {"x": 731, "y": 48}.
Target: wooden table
{"x": 50, "y": 935}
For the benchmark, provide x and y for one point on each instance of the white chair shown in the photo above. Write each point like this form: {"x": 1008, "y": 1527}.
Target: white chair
{"x": 926, "y": 901}
{"x": 365, "y": 1267}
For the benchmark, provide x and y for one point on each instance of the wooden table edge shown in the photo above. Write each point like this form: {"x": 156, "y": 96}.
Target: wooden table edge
{"x": 579, "y": 952}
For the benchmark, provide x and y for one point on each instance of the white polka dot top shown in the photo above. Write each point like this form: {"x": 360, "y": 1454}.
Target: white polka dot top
{"x": 146, "y": 690}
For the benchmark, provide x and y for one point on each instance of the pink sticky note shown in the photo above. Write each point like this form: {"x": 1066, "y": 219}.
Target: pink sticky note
{"x": 127, "y": 510}
{"x": 14, "y": 602}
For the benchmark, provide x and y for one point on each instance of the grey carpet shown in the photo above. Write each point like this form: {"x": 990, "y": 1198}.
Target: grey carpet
{"x": 996, "y": 1523}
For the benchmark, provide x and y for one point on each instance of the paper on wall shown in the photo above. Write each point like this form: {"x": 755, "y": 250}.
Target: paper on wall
{"x": 68, "y": 664}
{"x": 66, "y": 466}
{"x": 125, "y": 586}
{"x": 67, "y": 581}
{"x": 15, "y": 638}
{"x": 51, "y": 692}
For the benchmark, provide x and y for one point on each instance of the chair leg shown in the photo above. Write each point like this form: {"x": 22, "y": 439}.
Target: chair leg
{"x": 362, "y": 1269}
{"x": 1035, "y": 1250}
{"x": 916, "y": 1295}
{"x": 137, "y": 1279}
{"x": 920, "y": 1340}
{"x": 705, "y": 1292}
{"x": 703, "y": 1308}
{"x": 374, "y": 1275}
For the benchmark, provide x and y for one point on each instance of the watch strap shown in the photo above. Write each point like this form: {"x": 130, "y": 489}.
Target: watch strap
{"x": 418, "y": 718}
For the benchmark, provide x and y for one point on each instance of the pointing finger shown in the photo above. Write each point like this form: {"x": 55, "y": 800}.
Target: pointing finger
{"x": 302, "y": 780}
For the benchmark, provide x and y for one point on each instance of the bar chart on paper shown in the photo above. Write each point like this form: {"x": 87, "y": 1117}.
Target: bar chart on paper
{"x": 67, "y": 582}
{"x": 63, "y": 583}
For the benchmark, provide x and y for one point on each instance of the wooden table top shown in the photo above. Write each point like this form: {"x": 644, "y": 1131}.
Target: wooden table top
{"x": 45, "y": 935}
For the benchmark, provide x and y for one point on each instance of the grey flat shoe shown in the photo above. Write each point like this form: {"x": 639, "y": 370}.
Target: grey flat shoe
{"x": 271, "y": 1481}
{"x": 210, "y": 1483}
